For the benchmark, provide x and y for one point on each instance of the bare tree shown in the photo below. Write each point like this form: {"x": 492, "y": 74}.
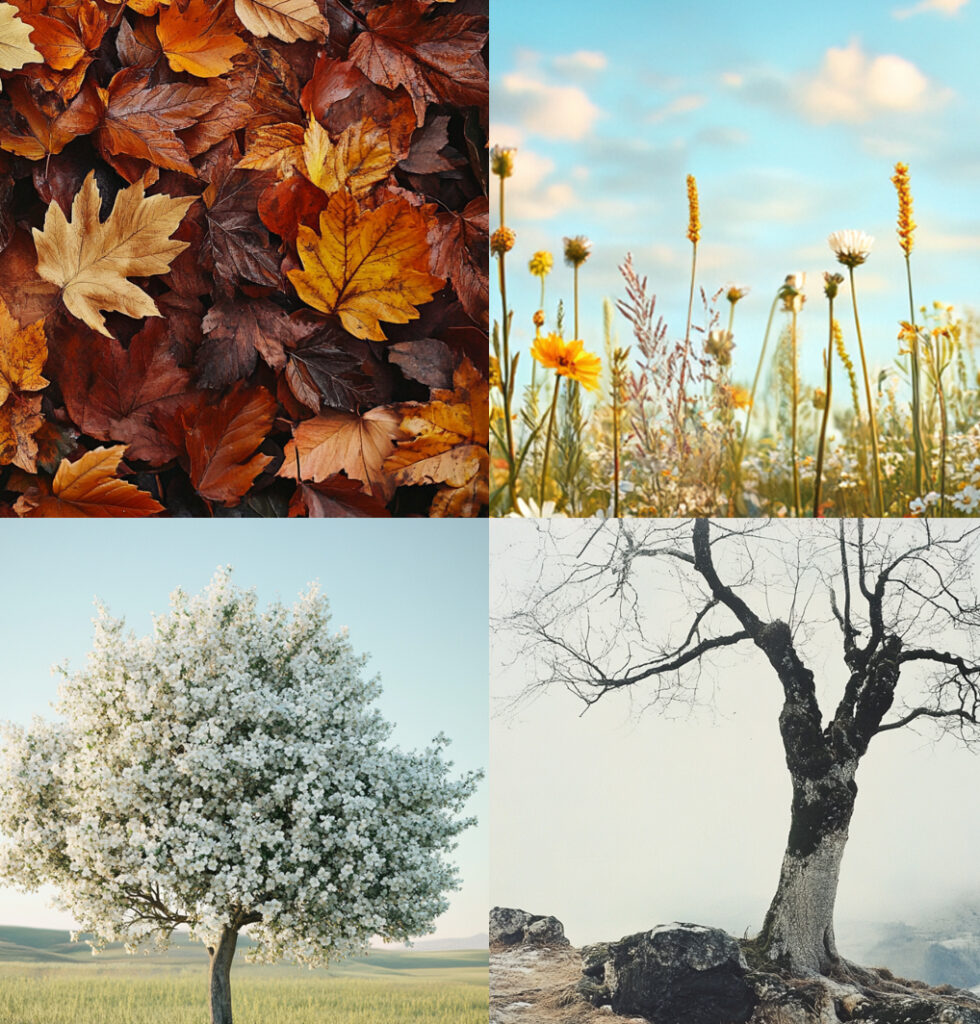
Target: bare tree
{"x": 902, "y": 593}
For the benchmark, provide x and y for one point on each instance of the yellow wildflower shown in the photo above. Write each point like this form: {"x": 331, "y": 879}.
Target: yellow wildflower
{"x": 568, "y": 359}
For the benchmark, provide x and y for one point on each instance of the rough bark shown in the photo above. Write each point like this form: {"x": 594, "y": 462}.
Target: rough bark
{"x": 220, "y": 976}
{"x": 799, "y": 928}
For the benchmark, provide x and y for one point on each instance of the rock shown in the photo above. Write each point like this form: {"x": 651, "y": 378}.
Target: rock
{"x": 675, "y": 974}
{"x": 509, "y": 927}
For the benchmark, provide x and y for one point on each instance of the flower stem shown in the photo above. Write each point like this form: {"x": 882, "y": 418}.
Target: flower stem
{"x": 872, "y": 425}
{"x": 751, "y": 408}
{"x": 678, "y": 414}
{"x": 547, "y": 444}
{"x": 920, "y": 454}
{"x": 575, "y": 273}
{"x": 826, "y": 416}
{"x": 507, "y": 384}
{"x": 794, "y": 416}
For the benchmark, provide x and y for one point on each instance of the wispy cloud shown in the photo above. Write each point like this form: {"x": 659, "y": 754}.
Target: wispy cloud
{"x": 581, "y": 61}
{"x": 852, "y": 85}
{"x": 945, "y": 7}
{"x": 679, "y": 105}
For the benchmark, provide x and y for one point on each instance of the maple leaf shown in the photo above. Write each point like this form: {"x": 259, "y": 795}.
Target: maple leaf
{"x": 274, "y": 147}
{"x": 16, "y": 48}
{"x": 288, "y": 205}
{"x": 449, "y": 442}
{"x": 360, "y": 158}
{"x": 114, "y": 393}
{"x": 198, "y": 39}
{"x": 366, "y": 267}
{"x": 89, "y": 489}
{"x": 91, "y": 260}
{"x": 20, "y": 421}
{"x": 326, "y": 369}
{"x": 221, "y": 440}
{"x": 141, "y": 119}
{"x": 343, "y": 442}
{"x": 436, "y": 59}
{"x": 288, "y": 20}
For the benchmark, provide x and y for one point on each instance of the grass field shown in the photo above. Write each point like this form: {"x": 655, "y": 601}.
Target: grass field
{"x": 44, "y": 980}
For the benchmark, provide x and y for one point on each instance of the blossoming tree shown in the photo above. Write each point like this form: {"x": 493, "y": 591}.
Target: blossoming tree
{"x": 230, "y": 771}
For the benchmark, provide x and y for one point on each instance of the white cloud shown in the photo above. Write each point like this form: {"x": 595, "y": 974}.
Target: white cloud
{"x": 732, "y": 79}
{"x": 678, "y": 105}
{"x": 945, "y": 7}
{"x": 532, "y": 195}
{"x": 505, "y": 135}
{"x": 550, "y": 111}
{"x": 854, "y": 86}
{"x": 581, "y": 61}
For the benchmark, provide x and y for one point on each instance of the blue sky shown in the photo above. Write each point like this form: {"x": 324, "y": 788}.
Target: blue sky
{"x": 790, "y": 116}
{"x": 410, "y": 593}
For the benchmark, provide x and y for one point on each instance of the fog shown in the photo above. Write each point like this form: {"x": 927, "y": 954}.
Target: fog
{"x": 620, "y": 818}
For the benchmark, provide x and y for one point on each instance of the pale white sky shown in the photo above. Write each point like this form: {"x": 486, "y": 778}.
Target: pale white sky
{"x": 618, "y": 820}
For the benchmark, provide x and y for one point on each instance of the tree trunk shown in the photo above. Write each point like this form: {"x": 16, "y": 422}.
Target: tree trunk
{"x": 799, "y": 929}
{"x": 220, "y": 976}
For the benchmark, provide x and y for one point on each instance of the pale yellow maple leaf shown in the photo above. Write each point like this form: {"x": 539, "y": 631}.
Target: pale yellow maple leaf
{"x": 359, "y": 159}
{"x": 16, "y": 48}
{"x": 90, "y": 260}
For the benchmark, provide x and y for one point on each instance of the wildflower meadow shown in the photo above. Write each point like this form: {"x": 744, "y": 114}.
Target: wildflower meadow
{"x": 671, "y": 426}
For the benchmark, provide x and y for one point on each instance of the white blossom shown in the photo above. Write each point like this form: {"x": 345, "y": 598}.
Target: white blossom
{"x": 231, "y": 769}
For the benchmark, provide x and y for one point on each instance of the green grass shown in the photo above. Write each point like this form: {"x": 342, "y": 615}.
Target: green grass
{"x": 387, "y": 987}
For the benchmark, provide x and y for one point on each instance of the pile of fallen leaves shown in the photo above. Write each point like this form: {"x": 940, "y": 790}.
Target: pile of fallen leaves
{"x": 243, "y": 257}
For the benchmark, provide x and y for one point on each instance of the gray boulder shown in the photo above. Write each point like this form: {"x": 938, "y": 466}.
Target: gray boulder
{"x": 509, "y": 927}
{"x": 675, "y": 974}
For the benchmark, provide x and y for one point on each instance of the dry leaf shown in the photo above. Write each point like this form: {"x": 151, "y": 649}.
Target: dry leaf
{"x": 90, "y": 260}
{"x": 16, "y": 48}
{"x": 343, "y": 442}
{"x": 90, "y": 489}
{"x": 288, "y": 20}
{"x": 360, "y": 159}
{"x": 366, "y": 267}
{"x": 198, "y": 39}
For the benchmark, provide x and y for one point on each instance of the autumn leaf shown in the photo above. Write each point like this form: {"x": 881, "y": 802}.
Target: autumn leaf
{"x": 141, "y": 119}
{"x": 460, "y": 253}
{"x": 23, "y": 351}
{"x": 343, "y": 442}
{"x": 90, "y": 489}
{"x": 449, "y": 442}
{"x": 20, "y": 421}
{"x": 16, "y": 48}
{"x": 198, "y": 39}
{"x": 360, "y": 158}
{"x": 221, "y": 441}
{"x": 336, "y": 498}
{"x": 366, "y": 267}
{"x": 49, "y": 134}
{"x": 437, "y": 60}
{"x": 90, "y": 260}
{"x": 274, "y": 147}
{"x": 114, "y": 393}
{"x": 288, "y": 20}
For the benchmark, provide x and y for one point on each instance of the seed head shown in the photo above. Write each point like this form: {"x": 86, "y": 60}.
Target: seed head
{"x": 906, "y": 225}
{"x": 577, "y": 250}
{"x": 540, "y": 263}
{"x": 502, "y": 240}
{"x": 851, "y": 247}
{"x": 693, "y": 211}
{"x": 502, "y": 161}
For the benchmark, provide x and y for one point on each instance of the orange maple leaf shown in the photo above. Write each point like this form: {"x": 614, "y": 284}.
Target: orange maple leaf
{"x": 89, "y": 489}
{"x": 366, "y": 267}
{"x": 343, "y": 442}
{"x": 199, "y": 39}
{"x": 449, "y": 444}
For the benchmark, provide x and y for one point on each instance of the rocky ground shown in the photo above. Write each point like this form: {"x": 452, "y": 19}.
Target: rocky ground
{"x": 687, "y": 974}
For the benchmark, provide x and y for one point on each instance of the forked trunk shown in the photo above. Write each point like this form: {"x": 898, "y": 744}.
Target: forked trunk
{"x": 220, "y": 976}
{"x": 799, "y": 929}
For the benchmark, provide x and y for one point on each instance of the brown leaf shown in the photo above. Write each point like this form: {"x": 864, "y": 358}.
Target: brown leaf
{"x": 326, "y": 369}
{"x": 49, "y": 132}
{"x": 336, "y": 498}
{"x": 141, "y": 119}
{"x": 221, "y": 441}
{"x": 89, "y": 489}
{"x": 437, "y": 59}
{"x": 343, "y": 442}
{"x": 460, "y": 247}
{"x": 427, "y": 360}
{"x": 113, "y": 393}
{"x": 288, "y": 205}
